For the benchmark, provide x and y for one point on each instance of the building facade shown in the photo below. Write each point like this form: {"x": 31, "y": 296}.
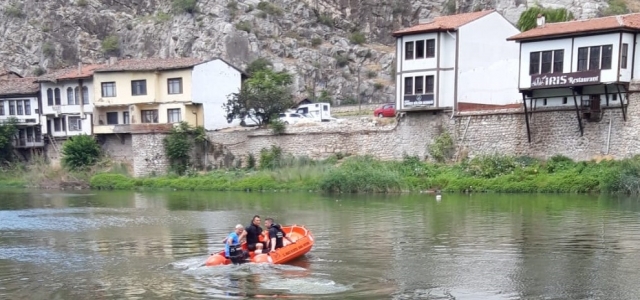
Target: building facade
{"x": 68, "y": 102}
{"x": 144, "y": 95}
{"x": 19, "y": 101}
{"x": 583, "y": 65}
{"x": 455, "y": 62}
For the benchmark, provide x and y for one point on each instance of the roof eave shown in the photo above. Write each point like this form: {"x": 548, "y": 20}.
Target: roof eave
{"x": 144, "y": 70}
{"x": 572, "y": 34}
{"x": 396, "y": 34}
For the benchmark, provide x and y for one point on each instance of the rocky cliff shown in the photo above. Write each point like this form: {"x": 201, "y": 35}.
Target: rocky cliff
{"x": 331, "y": 46}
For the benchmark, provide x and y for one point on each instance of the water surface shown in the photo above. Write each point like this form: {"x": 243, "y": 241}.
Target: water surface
{"x": 129, "y": 245}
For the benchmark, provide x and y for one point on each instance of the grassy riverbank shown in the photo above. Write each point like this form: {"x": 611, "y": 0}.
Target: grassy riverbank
{"x": 364, "y": 174}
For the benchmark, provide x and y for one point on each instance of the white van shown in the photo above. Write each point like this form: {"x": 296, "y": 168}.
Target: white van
{"x": 317, "y": 111}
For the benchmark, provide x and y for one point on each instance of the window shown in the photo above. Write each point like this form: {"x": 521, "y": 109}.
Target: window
{"x": 419, "y": 85}
{"x": 547, "y": 57}
{"x": 112, "y": 118}
{"x": 27, "y": 107}
{"x": 408, "y": 85}
{"x": 607, "y": 53}
{"x": 595, "y": 58}
{"x": 419, "y": 49}
{"x": 49, "y": 97}
{"x": 57, "y": 97}
{"x": 564, "y": 100}
{"x": 1, "y": 108}
{"x": 70, "y": 98}
{"x": 75, "y": 124}
{"x": 174, "y": 85}
{"x": 544, "y": 62}
{"x": 408, "y": 50}
{"x": 56, "y": 124}
{"x": 614, "y": 97}
{"x": 19, "y": 106}
{"x": 431, "y": 48}
{"x": 108, "y": 89}
{"x": 12, "y": 108}
{"x": 125, "y": 117}
{"x": 624, "y": 53}
{"x": 150, "y": 116}
{"x": 544, "y": 101}
{"x": 138, "y": 87}
{"x": 429, "y": 85}
{"x": 534, "y": 63}
{"x": 77, "y": 92}
{"x": 85, "y": 95}
{"x": 583, "y": 56}
{"x": 173, "y": 115}
{"x": 558, "y": 61}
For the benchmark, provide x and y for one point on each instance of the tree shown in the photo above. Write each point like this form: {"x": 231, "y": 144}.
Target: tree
{"x": 262, "y": 96}
{"x": 178, "y": 145}
{"x": 80, "y": 151}
{"x": 8, "y": 131}
{"x": 528, "y": 18}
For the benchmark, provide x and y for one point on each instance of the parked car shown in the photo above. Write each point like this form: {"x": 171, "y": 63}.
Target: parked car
{"x": 387, "y": 110}
{"x": 291, "y": 118}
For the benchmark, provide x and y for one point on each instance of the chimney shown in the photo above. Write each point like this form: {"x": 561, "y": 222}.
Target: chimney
{"x": 541, "y": 20}
{"x": 113, "y": 60}
{"x": 79, "y": 67}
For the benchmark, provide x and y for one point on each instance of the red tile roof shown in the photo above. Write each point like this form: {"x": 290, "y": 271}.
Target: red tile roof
{"x": 19, "y": 86}
{"x": 630, "y": 21}
{"x": 443, "y": 23}
{"x": 151, "y": 64}
{"x": 71, "y": 73}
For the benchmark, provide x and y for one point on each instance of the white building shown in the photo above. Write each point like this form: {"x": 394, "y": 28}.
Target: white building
{"x": 583, "y": 65}
{"x": 66, "y": 111}
{"x": 457, "y": 62}
{"x": 19, "y": 101}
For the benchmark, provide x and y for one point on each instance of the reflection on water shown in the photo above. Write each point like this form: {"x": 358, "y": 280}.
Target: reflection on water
{"x": 115, "y": 245}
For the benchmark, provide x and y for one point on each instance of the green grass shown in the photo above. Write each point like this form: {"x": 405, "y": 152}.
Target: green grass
{"x": 367, "y": 175}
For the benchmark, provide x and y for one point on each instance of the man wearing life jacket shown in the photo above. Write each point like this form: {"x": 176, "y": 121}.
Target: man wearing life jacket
{"x": 253, "y": 233}
{"x": 276, "y": 234}
{"x": 232, "y": 248}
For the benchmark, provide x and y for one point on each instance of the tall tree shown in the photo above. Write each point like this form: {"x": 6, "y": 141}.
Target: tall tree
{"x": 262, "y": 96}
{"x": 528, "y": 18}
{"x": 8, "y": 131}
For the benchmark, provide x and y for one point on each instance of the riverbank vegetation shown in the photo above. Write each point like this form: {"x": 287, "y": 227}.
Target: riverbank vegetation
{"x": 362, "y": 174}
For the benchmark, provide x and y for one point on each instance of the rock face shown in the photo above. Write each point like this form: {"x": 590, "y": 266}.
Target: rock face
{"x": 342, "y": 49}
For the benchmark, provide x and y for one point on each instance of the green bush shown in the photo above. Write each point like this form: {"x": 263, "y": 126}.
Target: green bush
{"x": 80, "y": 152}
{"x": 48, "y": 49}
{"x": 185, "y": 6}
{"x": 358, "y": 38}
{"x": 270, "y": 8}
{"x": 362, "y": 174}
{"x": 14, "y": 11}
{"x": 178, "y": 145}
{"x": 316, "y": 42}
{"x": 442, "y": 148}
{"x": 277, "y": 126}
{"x": 110, "y": 45}
{"x": 82, "y": 3}
{"x": 326, "y": 19}
{"x": 244, "y": 26}
{"x": 341, "y": 60}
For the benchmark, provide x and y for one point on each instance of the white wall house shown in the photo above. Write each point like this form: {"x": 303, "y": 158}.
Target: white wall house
{"x": 457, "y": 61}
{"x": 212, "y": 82}
{"x": 584, "y": 65}
{"x": 19, "y": 101}
{"x": 67, "y": 102}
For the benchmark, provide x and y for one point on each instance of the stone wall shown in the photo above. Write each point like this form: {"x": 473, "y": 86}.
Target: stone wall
{"x": 475, "y": 133}
{"x": 117, "y": 147}
{"x": 150, "y": 158}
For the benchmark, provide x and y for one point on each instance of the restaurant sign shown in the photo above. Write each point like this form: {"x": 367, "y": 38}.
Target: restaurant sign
{"x": 541, "y": 81}
{"x": 418, "y": 100}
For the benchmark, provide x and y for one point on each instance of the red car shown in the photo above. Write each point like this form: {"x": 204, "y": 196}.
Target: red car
{"x": 387, "y": 110}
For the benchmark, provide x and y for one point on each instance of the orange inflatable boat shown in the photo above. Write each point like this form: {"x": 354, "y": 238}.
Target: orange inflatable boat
{"x": 302, "y": 243}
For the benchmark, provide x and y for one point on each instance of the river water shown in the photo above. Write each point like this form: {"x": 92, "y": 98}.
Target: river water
{"x": 129, "y": 245}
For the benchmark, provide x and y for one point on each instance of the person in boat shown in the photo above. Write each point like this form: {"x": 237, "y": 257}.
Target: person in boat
{"x": 232, "y": 249}
{"x": 276, "y": 235}
{"x": 252, "y": 233}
